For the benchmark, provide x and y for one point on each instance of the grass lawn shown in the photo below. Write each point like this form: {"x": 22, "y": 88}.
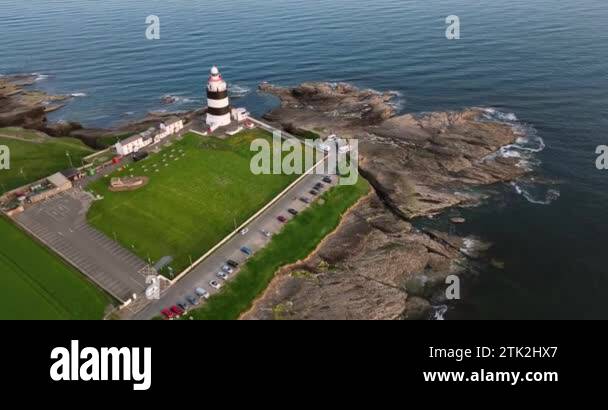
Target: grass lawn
{"x": 203, "y": 189}
{"x": 35, "y": 157}
{"x": 296, "y": 241}
{"x": 35, "y": 284}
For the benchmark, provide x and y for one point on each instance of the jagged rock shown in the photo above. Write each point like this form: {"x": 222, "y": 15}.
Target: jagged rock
{"x": 418, "y": 165}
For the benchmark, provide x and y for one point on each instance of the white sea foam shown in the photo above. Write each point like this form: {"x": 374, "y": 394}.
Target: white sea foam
{"x": 439, "y": 312}
{"x": 238, "y": 91}
{"x": 535, "y": 194}
{"x": 40, "y": 77}
{"x": 527, "y": 143}
{"x": 75, "y": 95}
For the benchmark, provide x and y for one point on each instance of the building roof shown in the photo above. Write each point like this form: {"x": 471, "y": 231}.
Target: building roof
{"x": 58, "y": 180}
{"x": 131, "y": 139}
{"x": 70, "y": 172}
{"x": 172, "y": 120}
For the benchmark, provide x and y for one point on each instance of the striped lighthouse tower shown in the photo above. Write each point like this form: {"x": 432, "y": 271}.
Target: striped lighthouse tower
{"x": 218, "y": 105}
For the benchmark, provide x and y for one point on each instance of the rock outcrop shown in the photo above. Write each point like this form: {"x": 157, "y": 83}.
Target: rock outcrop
{"x": 377, "y": 265}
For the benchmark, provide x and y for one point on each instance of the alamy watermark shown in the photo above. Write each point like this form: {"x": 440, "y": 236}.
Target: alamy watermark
{"x": 5, "y": 158}
{"x": 153, "y": 29}
{"x": 289, "y": 156}
{"x": 452, "y": 32}
{"x": 452, "y": 292}
{"x": 602, "y": 160}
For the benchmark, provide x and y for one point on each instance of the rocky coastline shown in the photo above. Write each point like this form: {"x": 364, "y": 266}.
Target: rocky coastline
{"x": 377, "y": 265}
{"x": 21, "y": 105}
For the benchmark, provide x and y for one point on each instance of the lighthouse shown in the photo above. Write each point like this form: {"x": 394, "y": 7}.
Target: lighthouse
{"x": 218, "y": 104}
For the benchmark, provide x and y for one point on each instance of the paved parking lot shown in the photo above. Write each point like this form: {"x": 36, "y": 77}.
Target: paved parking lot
{"x": 60, "y": 223}
{"x": 254, "y": 239}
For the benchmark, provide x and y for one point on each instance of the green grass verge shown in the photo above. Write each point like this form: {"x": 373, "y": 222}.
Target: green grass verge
{"x": 202, "y": 190}
{"x": 296, "y": 241}
{"x": 35, "y": 284}
{"x": 38, "y": 157}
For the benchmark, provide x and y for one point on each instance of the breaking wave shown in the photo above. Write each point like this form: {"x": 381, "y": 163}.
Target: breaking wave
{"x": 176, "y": 99}
{"x": 439, "y": 312}
{"x": 536, "y": 194}
{"x": 40, "y": 77}
{"x": 76, "y": 95}
{"x": 238, "y": 91}
{"x": 527, "y": 144}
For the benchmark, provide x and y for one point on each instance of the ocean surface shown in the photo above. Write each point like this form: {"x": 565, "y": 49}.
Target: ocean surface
{"x": 540, "y": 64}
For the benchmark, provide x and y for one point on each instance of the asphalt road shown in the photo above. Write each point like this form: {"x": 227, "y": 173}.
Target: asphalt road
{"x": 206, "y": 271}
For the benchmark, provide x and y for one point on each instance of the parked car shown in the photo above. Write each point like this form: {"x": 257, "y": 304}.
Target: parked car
{"x": 139, "y": 156}
{"x": 266, "y": 233}
{"x": 227, "y": 269}
{"x": 202, "y": 293}
{"x": 292, "y": 211}
{"x": 177, "y": 310}
{"x": 319, "y": 185}
{"x": 281, "y": 219}
{"x": 313, "y": 192}
{"x": 305, "y": 200}
{"x": 222, "y": 275}
{"x": 232, "y": 263}
{"x": 215, "y": 284}
{"x": 246, "y": 250}
{"x": 192, "y": 300}
{"x": 327, "y": 180}
{"x": 167, "y": 314}
{"x": 182, "y": 306}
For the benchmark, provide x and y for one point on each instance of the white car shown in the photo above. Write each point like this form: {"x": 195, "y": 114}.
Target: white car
{"x": 266, "y": 233}
{"x": 215, "y": 285}
{"x": 202, "y": 293}
{"x": 227, "y": 269}
{"x": 222, "y": 275}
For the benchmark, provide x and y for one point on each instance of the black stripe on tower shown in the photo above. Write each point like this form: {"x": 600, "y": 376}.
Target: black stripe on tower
{"x": 218, "y": 111}
{"x": 217, "y": 95}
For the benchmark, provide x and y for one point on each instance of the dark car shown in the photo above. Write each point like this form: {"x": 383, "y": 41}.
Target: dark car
{"x": 292, "y": 211}
{"x": 247, "y": 251}
{"x": 319, "y": 185}
{"x": 192, "y": 300}
{"x": 327, "y": 180}
{"x": 182, "y": 306}
{"x": 281, "y": 219}
{"x": 313, "y": 192}
{"x": 305, "y": 200}
{"x": 232, "y": 263}
{"x": 139, "y": 156}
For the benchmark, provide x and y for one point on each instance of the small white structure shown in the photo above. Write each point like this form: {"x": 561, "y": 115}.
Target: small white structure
{"x": 218, "y": 104}
{"x": 151, "y": 136}
{"x": 132, "y": 144}
{"x": 342, "y": 146}
{"x": 169, "y": 127}
{"x": 240, "y": 114}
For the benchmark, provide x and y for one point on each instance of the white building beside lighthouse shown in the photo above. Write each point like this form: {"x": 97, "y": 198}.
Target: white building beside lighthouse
{"x": 218, "y": 104}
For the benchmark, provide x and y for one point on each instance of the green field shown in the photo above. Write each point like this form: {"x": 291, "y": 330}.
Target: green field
{"x": 35, "y": 284}
{"x": 296, "y": 241}
{"x": 191, "y": 203}
{"x": 33, "y": 157}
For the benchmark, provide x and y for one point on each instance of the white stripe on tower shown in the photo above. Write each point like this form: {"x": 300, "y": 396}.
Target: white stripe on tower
{"x": 218, "y": 103}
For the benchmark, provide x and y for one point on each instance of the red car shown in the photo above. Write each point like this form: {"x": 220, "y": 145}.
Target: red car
{"x": 282, "y": 219}
{"x": 177, "y": 310}
{"x": 167, "y": 314}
